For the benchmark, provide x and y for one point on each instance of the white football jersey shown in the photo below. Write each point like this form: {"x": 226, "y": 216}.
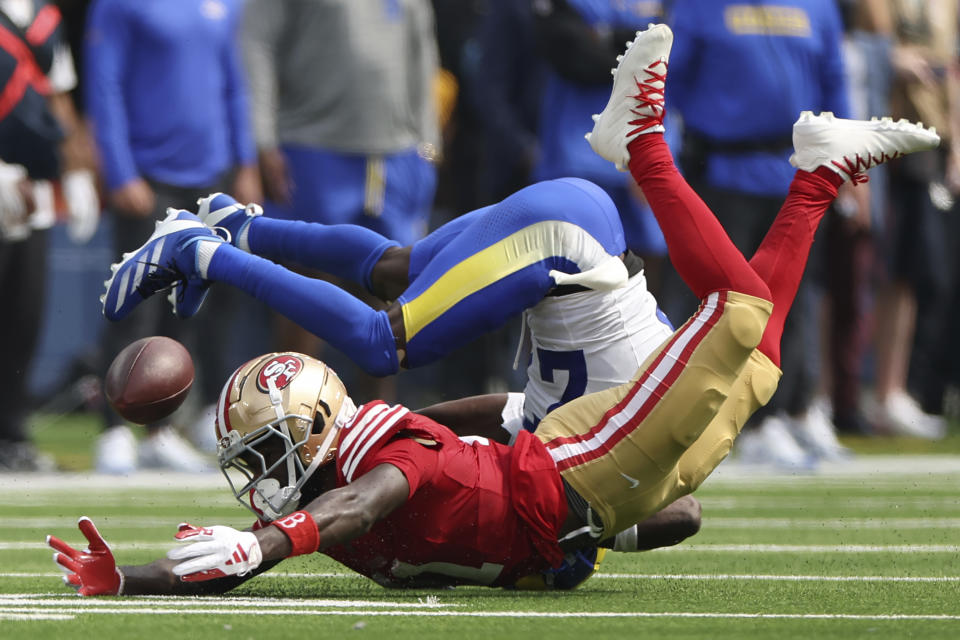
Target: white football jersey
{"x": 588, "y": 341}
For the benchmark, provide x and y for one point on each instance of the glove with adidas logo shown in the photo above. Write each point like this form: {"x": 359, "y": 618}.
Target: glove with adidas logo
{"x": 214, "y": 552}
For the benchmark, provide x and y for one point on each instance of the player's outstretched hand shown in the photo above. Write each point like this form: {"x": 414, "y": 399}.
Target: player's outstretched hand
{"x": 214, "y": 552}
{"x": 93, "y": 571}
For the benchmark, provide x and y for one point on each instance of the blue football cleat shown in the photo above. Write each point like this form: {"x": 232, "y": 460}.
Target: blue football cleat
{"x": 576, "y": 568}
{"x": 187, "y": 295}
{"x": 167, "y": 258}
{"x": 221, "y": 211}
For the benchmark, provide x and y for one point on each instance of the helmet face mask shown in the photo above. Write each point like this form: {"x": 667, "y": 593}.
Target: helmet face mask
{"x": 278, "y": 421}
{"x": 261, "y": 459}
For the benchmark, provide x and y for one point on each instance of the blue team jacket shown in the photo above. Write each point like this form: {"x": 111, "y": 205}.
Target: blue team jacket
{"x": 744, "y": 70}
{"x": 165, "y": 90}
{"x": 567, "y": 107}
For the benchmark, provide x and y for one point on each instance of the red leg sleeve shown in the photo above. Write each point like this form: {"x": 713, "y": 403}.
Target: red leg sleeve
{"x": 782, "y": 256}
{"x": 699, "y": 248}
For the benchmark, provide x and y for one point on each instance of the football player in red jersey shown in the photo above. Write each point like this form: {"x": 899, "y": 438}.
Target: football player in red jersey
{"x": 400, "y": 498}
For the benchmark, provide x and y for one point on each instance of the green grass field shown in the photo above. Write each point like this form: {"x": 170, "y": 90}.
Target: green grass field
{"x": 868, "y": 549}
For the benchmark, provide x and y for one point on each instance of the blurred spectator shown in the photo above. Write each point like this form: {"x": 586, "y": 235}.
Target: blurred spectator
{"x": 344, "y": 117}
{"x": 501, "y": 84}
{"x": 740, "y": 73}
{"x": 922, "y": 189}
{"x": 852, "y": 228}
{"x": 580, "y": 41}
{"x": 42, "y": 148}
{"x": 460, "y": 175}
{"x": 165, "y": 92}
{"x": 508, "y": 84}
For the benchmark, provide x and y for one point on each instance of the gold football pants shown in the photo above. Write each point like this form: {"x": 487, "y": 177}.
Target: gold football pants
{"x": 632, "y": 449}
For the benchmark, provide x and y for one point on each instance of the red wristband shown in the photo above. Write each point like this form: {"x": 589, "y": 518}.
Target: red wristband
{"x": 302, "y": 530}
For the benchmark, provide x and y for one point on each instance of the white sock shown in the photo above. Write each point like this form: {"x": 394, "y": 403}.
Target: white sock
{"x": 511, "y": 418}
{"x": 205, "y": 251}
{"x": 626, "y": 540}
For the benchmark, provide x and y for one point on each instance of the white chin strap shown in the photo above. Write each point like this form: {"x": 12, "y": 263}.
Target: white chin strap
{"x": 277, "y": 401}
{"x": 274, "y": 501}
{"x": 269, "y": 497}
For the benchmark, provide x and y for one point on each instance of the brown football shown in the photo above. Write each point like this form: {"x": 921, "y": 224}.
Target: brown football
{"x": 149, "y": 379}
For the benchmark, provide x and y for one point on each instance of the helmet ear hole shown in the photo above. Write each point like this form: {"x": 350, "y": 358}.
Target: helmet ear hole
{"x": 326, "y": 409}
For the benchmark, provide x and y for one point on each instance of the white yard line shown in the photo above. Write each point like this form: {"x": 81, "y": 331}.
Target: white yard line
{"x": 721, "y": 522}
{"x": 770, "y": 578}
{"x": 266, "y": 610}
{"x": 812, "y": 548}
{"x": 180, "y": 602}
{"x": 601, "y": 575}
{"x": 712, "y": 522}
{"x": 884, "y": 469}
{"x": 17, "y": 614}
{"x": 834, "y": 502}
{"x": 683, "y": 548}
{"x": 883, "y": 466}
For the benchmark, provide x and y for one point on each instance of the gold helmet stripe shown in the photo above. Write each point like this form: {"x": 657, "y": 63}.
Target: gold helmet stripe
{"x": 223, "y": 413}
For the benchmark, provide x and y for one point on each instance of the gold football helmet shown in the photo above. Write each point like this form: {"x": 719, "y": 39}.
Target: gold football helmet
{"x": 280, "y": 409}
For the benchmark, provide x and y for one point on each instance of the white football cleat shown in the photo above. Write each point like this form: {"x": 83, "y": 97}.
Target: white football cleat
{"x": 816, "y": 433}
{"x": 901, "y": 415}
{"x": 850, "y": 147}
{"x": 165, "y": 449}
{"x": 636, "y": 102}
{"x": 771, "y": 444}
{"x": 115, "y": 451}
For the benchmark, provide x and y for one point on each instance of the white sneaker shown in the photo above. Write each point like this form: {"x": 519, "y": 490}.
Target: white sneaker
{"x": 165, "y": 449}
{"x": 850, "y": 147}
{"x": 815, "y": 433}
{"x": 115, "y": 451}
{"x": 636, "y": 102}
{"x": 902, "y": 416}
{"x": 203, "y": 434}
{"x": 772, "y": 444}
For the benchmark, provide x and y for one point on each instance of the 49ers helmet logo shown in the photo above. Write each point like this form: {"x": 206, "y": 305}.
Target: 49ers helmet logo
{"x": 281, "y": 370}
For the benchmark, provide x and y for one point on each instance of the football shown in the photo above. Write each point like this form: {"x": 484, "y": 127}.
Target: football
{"x": 149, "y": 379}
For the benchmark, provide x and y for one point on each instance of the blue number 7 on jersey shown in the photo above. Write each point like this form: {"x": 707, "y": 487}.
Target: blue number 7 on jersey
{"x": 574, "y": 363}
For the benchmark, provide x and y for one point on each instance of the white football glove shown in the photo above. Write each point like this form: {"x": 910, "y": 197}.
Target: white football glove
{"x": 13, "y": 208}
{"x": 214, "y": 552}
{"x": 83, "y": 204}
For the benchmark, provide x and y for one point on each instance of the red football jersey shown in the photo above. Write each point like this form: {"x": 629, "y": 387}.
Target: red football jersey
{"x": 478, "y": 512}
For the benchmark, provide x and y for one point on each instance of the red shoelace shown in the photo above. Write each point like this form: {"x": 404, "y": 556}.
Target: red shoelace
{"x": 649, "y": 97}
{"x": 855, "y": 168}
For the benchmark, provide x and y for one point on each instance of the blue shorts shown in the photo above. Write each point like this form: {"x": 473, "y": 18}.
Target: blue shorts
{"x": 391, "y": 194}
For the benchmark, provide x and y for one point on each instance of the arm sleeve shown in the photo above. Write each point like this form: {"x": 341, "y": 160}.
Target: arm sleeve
{"x": 238, "y": 105}
{"x": 572, "y": 47}
{"x": 344, "y": 250}
{"x": 260, "y": 32}
{"x": 353, "y": 327}
{"x": 106, "y": 47}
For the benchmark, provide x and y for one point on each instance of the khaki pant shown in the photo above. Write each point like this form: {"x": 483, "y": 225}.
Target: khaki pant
{"x": 633, "y": 449}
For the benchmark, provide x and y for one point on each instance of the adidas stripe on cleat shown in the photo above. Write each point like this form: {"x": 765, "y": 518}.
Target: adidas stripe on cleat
{"x": 157, "y": 265}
